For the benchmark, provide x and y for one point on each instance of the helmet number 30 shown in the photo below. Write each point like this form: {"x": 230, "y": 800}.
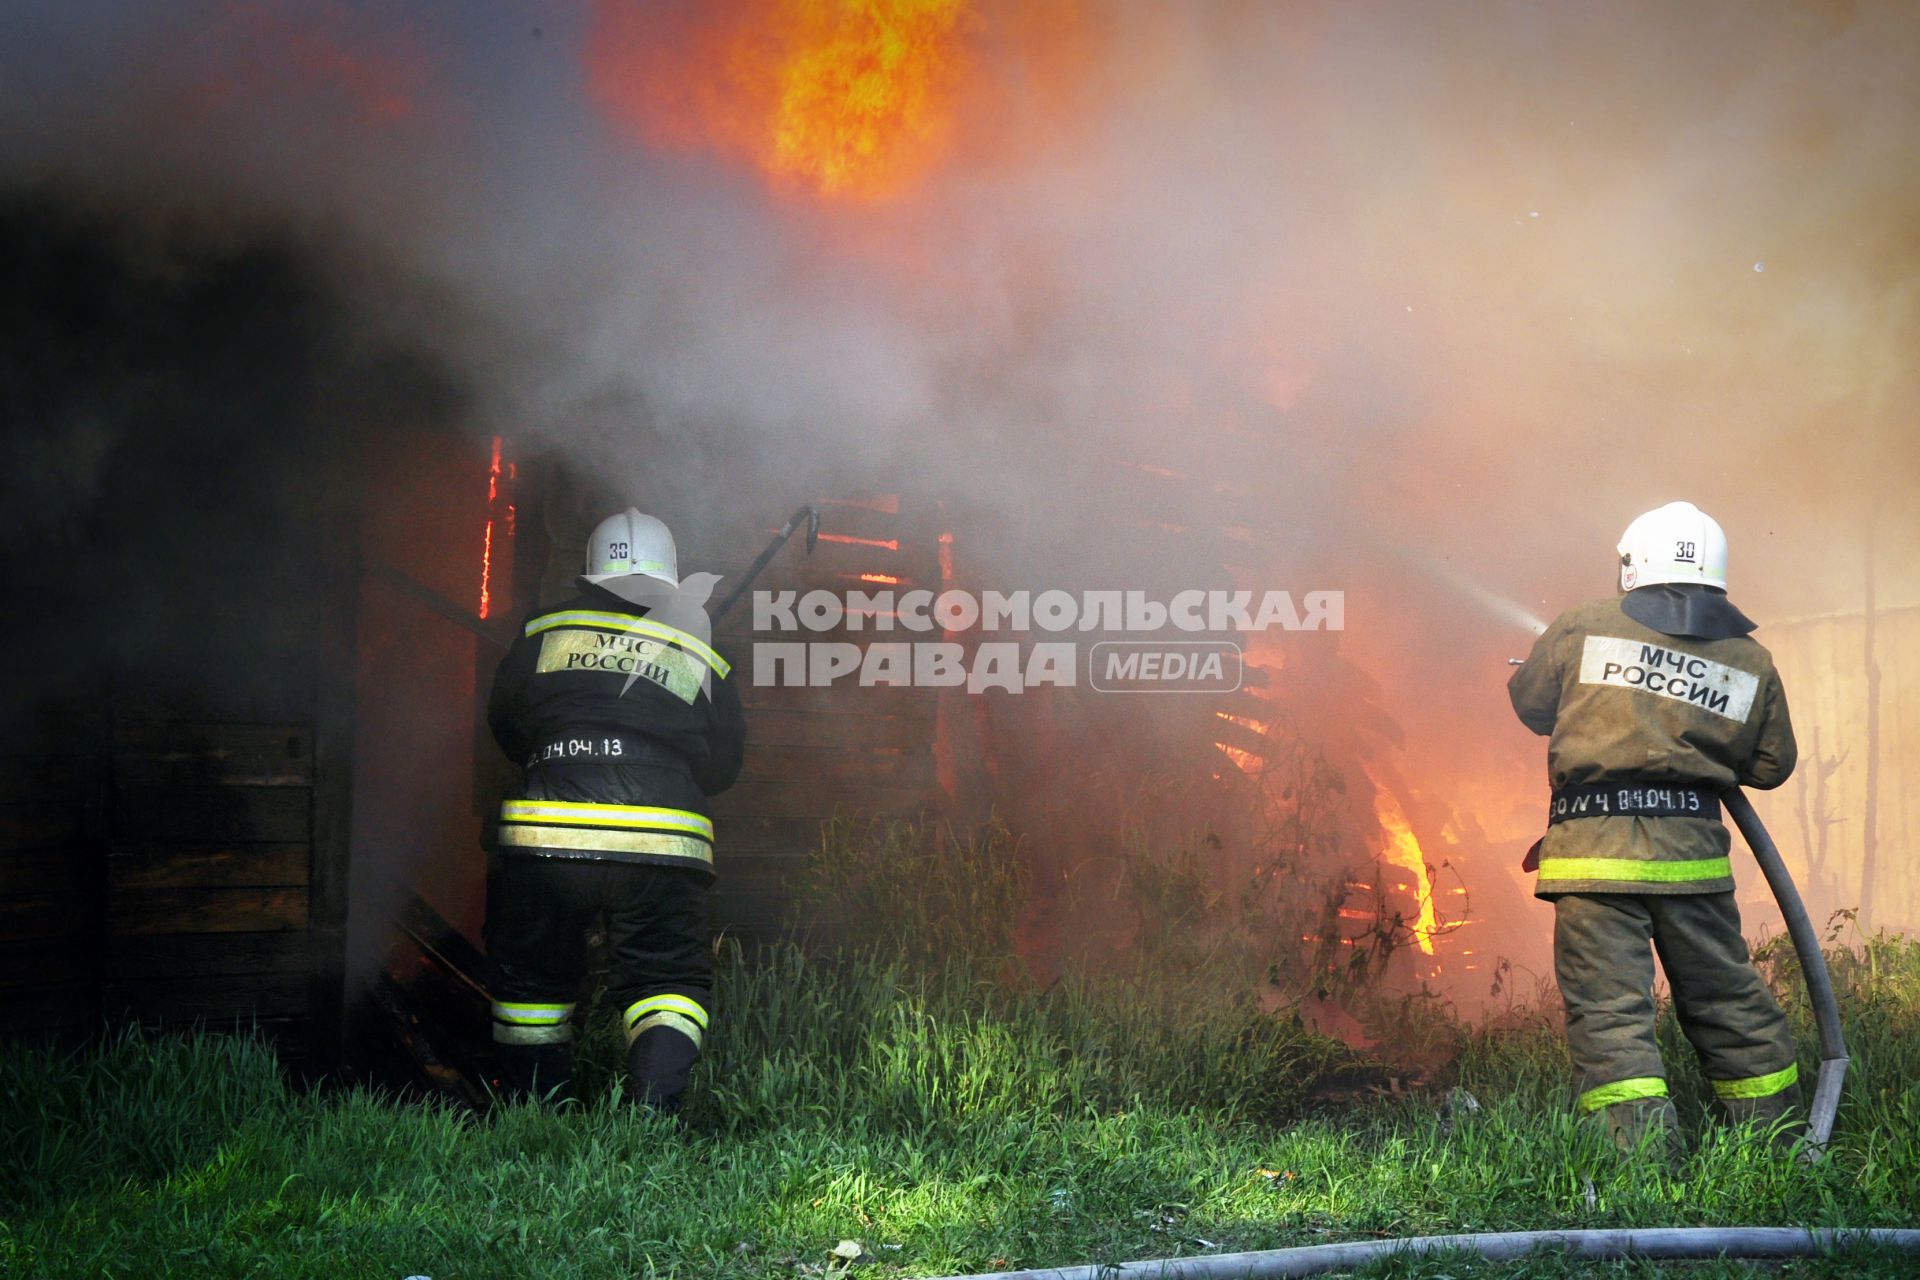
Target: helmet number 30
{"x": 1684, "y": 551}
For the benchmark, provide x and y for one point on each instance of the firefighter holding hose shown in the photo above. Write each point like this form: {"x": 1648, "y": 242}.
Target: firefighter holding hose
{"x": 1654, "y": 701}
{"x": 625, "y": 719}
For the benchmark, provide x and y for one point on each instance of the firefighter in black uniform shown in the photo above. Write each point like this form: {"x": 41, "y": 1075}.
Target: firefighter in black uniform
{"x": 625, "y": 719}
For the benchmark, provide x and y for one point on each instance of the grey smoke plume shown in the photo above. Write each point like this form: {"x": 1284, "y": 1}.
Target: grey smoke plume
{"x": 1489, "y": 280}
{"x": 1468, "y": 285}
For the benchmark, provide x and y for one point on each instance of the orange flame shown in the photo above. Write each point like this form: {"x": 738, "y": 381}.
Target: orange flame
{"x": 486, "y": 547}
{"x": 1245, "y": 761}
{"x": 1403, "y": 850}
{"x": 852, "y": 99}
{"x": 884, "y": 544}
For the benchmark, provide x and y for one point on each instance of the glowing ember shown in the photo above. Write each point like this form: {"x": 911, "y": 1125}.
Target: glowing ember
{"x": 885, "y": 544}
{"x": 1403, "y": 850}
{"x": 884, "y": 578}
{"x": 849, "y": 98}
{"x": 1243, "y": 760}
{"x": 486, "y": 546}
{"x": 486, "y": 572}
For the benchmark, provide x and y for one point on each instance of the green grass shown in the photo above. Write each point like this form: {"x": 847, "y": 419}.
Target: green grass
{"x": 945, "y": 1118}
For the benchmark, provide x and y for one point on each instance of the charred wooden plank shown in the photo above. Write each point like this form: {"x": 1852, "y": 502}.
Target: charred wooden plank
{"x": 35, "y": 962}
{"x": 218, "y": 999}
{"x": 46, "y": 915}
{"x": 65, "y": 870}
{"x": 46, "y": 823}
{"x": 163, "y": 866}
{"x": 245, "y": 910}
{"x": 194, "y": 955}
{"x": 213, "y": 814}
{"x": 59, "y": 779}
{"x": 216, "y": 753}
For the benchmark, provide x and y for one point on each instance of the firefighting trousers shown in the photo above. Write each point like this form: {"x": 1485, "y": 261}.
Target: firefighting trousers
{"x": 539, "y": 911}
{"x": 1605, "y": 971}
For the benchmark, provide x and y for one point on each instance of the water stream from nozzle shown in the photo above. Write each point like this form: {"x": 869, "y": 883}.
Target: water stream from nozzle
{"x": 1505, "y": 608}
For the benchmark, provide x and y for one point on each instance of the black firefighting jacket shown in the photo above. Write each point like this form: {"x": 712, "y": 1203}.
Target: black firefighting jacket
{"x": 624, "y": 725}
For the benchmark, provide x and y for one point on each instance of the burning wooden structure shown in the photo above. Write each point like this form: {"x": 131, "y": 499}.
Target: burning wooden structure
{"x": 251, "y": 747}
{"x": 186, "y": 845}
{"x": 184, "y": 840}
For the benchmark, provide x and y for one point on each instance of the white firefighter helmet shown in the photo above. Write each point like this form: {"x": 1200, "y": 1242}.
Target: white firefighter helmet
{"x": 1675, "y": 543}
{"x": 629, "y": 544}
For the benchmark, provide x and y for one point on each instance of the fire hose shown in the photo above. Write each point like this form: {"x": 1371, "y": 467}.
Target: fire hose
{"x": 1813, "y": 966}
{"x": 1654, "y": 1242}
{"x": 1495, "y": 1246}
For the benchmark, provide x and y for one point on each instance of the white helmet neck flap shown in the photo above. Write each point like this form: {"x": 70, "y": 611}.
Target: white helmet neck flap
{"x": 629, "y": 544}
{"x": 1675, "y": 543}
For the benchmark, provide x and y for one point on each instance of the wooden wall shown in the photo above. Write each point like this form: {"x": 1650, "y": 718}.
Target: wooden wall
{"x": 169, "y": 877}
{"x": 53, "y": 791}
{"x": 208, "y": 869}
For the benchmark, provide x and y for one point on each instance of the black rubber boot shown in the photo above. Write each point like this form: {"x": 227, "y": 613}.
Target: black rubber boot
{"x": 659, "y": 1061}
{"x": 1777, "y": 1114}
{"x": 539, "y": 1071}
{"x": 1648, "y": 1127}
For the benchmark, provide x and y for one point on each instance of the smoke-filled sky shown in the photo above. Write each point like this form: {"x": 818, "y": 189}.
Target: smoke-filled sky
{"x": 1471, "y": 281}
{"x": 1415, "y": 295}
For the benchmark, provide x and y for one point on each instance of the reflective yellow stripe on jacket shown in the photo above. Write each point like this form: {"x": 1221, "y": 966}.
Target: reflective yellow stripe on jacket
{"x": 1636, "y": 870}
{"x": 660, "y": 835}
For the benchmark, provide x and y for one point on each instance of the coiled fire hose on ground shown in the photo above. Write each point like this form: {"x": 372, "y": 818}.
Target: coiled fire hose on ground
{"x": 1673, "y": 1243}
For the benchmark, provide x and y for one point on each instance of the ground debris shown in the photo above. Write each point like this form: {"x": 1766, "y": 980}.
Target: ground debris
{"x": 842, "y": 1258}
{"x": 1457, "y": 1105}
{"x": 1366, "y": 1084}
{"x": 1162, "y": 1217}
